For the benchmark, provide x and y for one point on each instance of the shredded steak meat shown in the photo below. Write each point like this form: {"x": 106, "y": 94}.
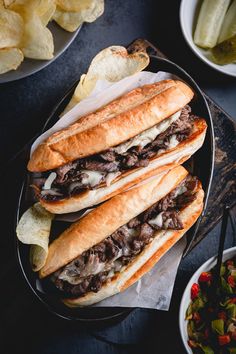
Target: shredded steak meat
{"x": 110, "y": 161}
{"x": 95, "y": 266}
{"x": 94, "y": 165}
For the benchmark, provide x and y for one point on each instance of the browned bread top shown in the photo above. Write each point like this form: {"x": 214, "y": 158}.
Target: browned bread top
{"x": 112, "y": 124}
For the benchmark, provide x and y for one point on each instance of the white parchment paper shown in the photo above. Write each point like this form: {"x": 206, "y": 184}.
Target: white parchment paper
{"x": 155, "y": 288}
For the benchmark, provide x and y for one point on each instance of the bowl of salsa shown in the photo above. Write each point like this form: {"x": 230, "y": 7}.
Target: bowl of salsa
{"x": 207, "y": 322}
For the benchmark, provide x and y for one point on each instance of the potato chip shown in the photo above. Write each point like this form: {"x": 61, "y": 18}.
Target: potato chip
{"x": 11, "y": 29}
{"x": 23, "y": 25}
{"x": 38, "y": 256}
{"x": 45, "y": 10}
{"x": 71, "y": 21}
{"x": 37, "y": 41}
{"x": 111, "y": 64}
{"x": 73, "y": 102}
{"x": 26, "y": 3}
{"x": 34, "y": 229}
{"x": 21, "y": 5}
{"x": 75, "y": 5}
{"x": 7, "y": 3}
{"x": 10, "y": 59}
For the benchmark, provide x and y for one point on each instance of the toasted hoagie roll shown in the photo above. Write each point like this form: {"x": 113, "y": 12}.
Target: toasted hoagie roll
{"x": 107, "y": 151}
{"x": 110, "y": 248}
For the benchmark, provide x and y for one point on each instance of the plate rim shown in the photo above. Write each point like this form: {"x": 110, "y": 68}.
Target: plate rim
{"x": 45, "y": 63}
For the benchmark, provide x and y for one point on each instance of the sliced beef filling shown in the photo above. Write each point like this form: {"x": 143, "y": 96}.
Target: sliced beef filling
{"x": 94, "y": 267}
{"x": 88, "y": 173}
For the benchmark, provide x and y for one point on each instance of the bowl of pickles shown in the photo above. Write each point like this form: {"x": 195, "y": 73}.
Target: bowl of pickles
{"x": 209, "y": 28}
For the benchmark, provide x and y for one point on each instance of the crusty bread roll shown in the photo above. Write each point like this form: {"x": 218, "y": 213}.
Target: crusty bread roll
{"x": 162, "y": 162}
{"x": 107, "y": 218}
{"x": 112, "y": 124}
{"x": 162, "y": 242}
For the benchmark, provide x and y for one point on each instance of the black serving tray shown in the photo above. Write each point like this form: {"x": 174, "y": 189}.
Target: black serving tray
{"x": 204, "y": 157}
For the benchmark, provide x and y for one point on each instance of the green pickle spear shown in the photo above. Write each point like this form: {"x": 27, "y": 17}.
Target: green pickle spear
{"x": 209, "y": 22}
{"x": 225, "y": 52}
{"x": 228, "y": 28}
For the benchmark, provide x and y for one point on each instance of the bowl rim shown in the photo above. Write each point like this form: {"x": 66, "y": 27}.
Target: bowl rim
{"x": 204, "y": 267}
{"x": 192, "y": 46}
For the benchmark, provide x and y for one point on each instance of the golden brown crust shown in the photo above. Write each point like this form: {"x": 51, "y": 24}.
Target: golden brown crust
{"x": 162, "y": 242}
{"x": 108, "y": 217}
{"x": 111, "y": 125}
{"x": 130, "y": 178}
{"x": 175, "y": 236}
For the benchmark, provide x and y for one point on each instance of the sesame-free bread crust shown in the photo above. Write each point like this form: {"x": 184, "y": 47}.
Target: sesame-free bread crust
{"x": 112, "y": 124}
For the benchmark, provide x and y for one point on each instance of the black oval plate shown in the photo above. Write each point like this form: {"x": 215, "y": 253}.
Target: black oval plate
{"x": 201, "y": 165}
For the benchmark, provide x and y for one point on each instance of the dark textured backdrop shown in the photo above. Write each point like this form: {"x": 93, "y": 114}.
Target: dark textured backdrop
{"x": 25, "y": 104}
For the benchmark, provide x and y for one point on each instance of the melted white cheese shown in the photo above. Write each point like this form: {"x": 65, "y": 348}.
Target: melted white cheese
{"x": 148, "y": 135}
{"x": 180, "y": 190}
{"x": 95, "y": 266}
{"x": 173, "y": 142}
{"x": 157, "y": 220}
{"x": 72, "y": 276}
{"x": 93, "y": 178}
{"x": 49, "y": 180}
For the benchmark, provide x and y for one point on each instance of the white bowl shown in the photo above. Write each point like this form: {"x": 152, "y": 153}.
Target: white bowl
{"x": 186, "y": 299}
{"x": 189, "y": 10}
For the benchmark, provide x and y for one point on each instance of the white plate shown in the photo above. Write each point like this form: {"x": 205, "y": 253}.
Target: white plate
{"x": 62, "y": 40}
{"x": 189, "y": 10}
{"x": 186, "y": 299}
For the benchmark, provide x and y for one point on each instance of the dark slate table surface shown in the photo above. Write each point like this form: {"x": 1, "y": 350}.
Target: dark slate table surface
{"x": 27, "y": 327}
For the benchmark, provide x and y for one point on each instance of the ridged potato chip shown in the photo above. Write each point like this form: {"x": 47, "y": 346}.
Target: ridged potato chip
{"x": 37, "y": 41}
{"x": 112, "y": 64}
{"x": 75, "y": 5}
{"x": 11, "y": 28}
{"x": 45, "y": 10}
{"x": 21, "y": 6}
{"x": 23, "y": 25}
{"x": 7, "y": 3}
{"x": 10, "y": 59}
{"x": 34, "y": 229}
{"x": 71, "y": 21}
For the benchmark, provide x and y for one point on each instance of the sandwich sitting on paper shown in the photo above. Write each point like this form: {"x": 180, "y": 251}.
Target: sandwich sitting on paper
{"x": 115, "y": 244}
{"x": 140, "y": 134}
